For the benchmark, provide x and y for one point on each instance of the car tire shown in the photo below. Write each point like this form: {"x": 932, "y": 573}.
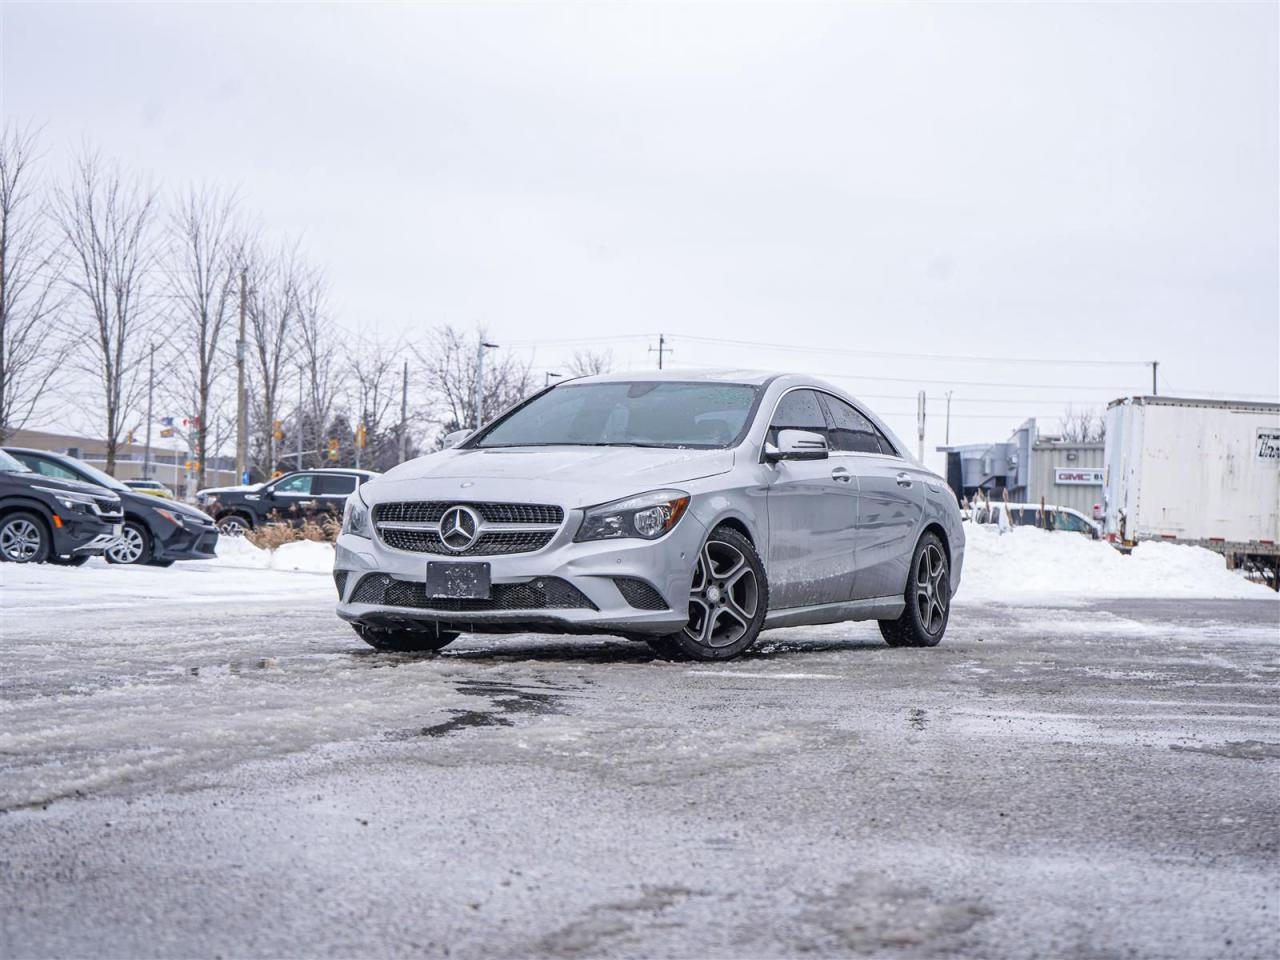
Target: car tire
{"x": 134, "y": 545}
{"x": 404, "y": 641}
{"x": 928, "y": 598}
{"x": 24, "y": 538}
{"x": 234, "y": 525}
{"x": 73, "y": 561}
{"x": 159, "y": 563}
{"x": 728, "y": 599}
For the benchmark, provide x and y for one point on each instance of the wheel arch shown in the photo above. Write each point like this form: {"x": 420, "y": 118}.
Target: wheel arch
{"x": 935, "y": 527}
{"x": 736, "y": 522}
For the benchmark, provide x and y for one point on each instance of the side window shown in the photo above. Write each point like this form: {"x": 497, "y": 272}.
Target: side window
{"x": 299, "y": 484}
{"x": 799, "y": 410}
{"x": 1069, "y": 521}
{"x": 47, "y": 468}
{"x": 334, "y": 485}
{"x": 851, "y": 432}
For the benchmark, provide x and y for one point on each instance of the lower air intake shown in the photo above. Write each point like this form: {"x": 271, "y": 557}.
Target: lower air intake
{"x": 544, "y": 593}
{"x": 640, "y": 593}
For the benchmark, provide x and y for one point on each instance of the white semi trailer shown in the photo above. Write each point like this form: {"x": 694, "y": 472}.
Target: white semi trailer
{"x": 1205, "y": 472}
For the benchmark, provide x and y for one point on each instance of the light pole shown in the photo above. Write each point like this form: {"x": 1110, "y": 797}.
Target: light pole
{"x": 242, "y": 413}
{"x": 484, "y": 345}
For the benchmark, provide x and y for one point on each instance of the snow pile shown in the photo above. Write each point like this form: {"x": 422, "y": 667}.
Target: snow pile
{"x": 301, "y": 556}
{"x": 1027, "y": 562}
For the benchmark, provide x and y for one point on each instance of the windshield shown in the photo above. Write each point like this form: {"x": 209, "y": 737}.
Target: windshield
{"x": 9, "y": 465}
{"x": 94, "y": 475}
{"x": 639, "y": 413}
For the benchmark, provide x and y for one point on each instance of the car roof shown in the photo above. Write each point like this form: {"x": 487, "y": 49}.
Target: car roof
{"x": 358, "y": 471}
{"x": 752, "y": 377}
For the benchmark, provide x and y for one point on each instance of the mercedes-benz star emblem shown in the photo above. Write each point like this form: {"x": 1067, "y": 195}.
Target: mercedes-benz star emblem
{"x": 459, "y": 528}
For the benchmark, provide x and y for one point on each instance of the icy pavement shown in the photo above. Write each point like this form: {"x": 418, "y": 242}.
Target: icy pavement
{"x": 203, "y": 761}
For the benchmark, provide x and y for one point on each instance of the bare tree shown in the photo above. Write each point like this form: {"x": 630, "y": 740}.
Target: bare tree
{"x": 317, "y": 358}
{"x": 272, "y": 314}
{"x": 587, "y": 363}
{"x": 202, "y": 260}
{"x": 32, "y": 348}
{"x": 374, "y": 395}
{"x": 105, "y": 219}
{"x": 450, "y": 361}
{"x": 1085, "y": 426}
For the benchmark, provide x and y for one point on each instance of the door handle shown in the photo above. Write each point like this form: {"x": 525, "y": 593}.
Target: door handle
{"x": 841, "y": 475}
{"x": 904, "y": 479}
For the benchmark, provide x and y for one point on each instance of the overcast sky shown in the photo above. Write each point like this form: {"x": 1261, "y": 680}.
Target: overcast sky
{"x": 1071, "y": 182}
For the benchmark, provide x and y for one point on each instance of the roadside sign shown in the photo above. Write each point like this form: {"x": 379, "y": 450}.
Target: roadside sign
{"x": 1078, "y": 476}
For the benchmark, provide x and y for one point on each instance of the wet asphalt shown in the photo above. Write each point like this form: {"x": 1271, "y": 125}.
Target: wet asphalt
{"x": 1080, "y": 781}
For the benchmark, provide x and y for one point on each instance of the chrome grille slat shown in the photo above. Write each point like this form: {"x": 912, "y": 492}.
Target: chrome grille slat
{"x": 504, "y": 528}
{"x": 430, "y": 511}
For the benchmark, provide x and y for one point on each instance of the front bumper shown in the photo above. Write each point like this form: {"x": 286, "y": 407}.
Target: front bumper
{"x": 76, "y": 538}
{"x": 188, "y": 542}
{"x": 591, "y": 569}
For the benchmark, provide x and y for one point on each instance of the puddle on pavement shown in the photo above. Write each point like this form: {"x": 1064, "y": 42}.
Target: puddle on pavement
{"x": 1236, "y": 750}
{"x": 505, "y": 700}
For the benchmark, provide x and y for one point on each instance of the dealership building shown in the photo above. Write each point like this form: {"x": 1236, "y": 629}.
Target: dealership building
{"x": 1065, "y": 473}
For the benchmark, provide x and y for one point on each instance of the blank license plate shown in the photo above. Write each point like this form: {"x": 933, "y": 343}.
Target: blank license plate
{"x": 457, "y": 581}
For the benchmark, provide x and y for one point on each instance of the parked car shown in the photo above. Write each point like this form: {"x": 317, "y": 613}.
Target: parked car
{"x": 153, "y": 487}
{"x": 690, "y": 510}
{"x": 300, "y": 495}
{"x": 47, "y": 518}
{"x": 1050, "y": 517}
{"x": 155, "y": 532}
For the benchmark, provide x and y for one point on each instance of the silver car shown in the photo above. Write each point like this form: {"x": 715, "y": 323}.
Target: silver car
{"x": 690, "y": 510}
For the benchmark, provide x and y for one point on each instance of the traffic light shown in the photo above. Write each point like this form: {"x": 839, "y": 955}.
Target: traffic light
{"x": 277, "y": 429}
{"x": 360, "y": 436}
{"x": 333, "y": 448}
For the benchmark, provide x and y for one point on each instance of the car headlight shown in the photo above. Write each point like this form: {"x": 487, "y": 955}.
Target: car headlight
{"x": 71, "y": 502}
{"x": 174, "y": 518}
{"x": 355, "y": 517}
{"x": 647, "y": 516}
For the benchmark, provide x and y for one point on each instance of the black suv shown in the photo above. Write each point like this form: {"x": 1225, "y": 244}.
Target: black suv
{"x": 156, "y": 532}
{"x": 300, "y": 495}
{"x": 62, "y": 521}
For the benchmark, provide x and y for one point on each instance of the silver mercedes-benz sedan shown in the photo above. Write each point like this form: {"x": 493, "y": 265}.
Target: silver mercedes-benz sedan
{"x": 690, "y": 510}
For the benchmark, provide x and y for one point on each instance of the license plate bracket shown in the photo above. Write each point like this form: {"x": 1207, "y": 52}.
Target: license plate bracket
{"x": 458, "y": 581}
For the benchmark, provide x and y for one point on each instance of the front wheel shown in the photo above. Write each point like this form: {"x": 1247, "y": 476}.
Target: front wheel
{"x": 728, "y": 598}
{"x": 24, "y": 538}
{"x": 928, "y": 598}
{"x": 134, "y": 545}
{"x": 404, "y": 641}
{"x": 234, "y": 525}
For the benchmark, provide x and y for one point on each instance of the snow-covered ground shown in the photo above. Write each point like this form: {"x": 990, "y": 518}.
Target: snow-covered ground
{"x": 1023, "y": 566}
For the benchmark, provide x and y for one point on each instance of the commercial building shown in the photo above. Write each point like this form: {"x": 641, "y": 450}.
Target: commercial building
{"x": 1030, "y": 466}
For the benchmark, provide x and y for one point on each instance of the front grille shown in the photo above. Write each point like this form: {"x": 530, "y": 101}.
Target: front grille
{"x": 640, "y": 593}
{"x": 544, "y": 593}
{"x": 430, "y": 511}
{"x": 340, "y": 581}
{"x": 499, "y": 532}
{"x": 488, "y": 544}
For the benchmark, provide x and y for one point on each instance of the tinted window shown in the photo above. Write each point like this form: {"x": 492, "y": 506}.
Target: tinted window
{"x": 851, "y": 432}
{"x": 1069, "y": 521}
{"x": 334, "y": 485}
{"x": 799, "y": 410}
{"x": 644, "y": 413}
{"x": 299, "y": 484}
{"x": 47, "y": 468}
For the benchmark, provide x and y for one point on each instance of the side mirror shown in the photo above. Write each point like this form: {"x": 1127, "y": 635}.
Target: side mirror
{"x": 796, "y": 445}
{"x": 451, "y": 440}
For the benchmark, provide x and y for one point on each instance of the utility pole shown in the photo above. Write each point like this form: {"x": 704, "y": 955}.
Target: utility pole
{"x": 404, "y": 413}
{"x": 298, "y": 425}
{"x": 948, "y": 440}
{"x": 920, "y": 426}
{"x": 661, "y": 349}
{"x": 484, "y": 345}
{"x": 550, "y": 375}
{"x": 1155, "y": 390}
{"x": 151, "y": 386}
{"x": 242, "y": 415}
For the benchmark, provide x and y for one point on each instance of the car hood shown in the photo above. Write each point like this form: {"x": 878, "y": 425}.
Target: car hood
{"x": 569, "y": 476}
{"x": 148, "y": 502}
{"x": 54, "y": 483}
{"x": 239, "y": 488}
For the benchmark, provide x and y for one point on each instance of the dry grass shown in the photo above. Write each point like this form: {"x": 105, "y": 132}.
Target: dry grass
{"x": 271, "y": 535}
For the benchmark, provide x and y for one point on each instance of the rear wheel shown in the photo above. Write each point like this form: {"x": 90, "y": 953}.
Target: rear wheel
{"x": 234, "y": 525}
{"x": 24, "y": 538}
{"x": 928, "y": 598}
{"x": 134, "y": 545}
{"x": 404, "y": 641}
{"x": 727, "y": 602}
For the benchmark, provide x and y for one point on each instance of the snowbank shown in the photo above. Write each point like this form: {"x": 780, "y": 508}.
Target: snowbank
{"x": 302, "y": 556}
{"x": 1029, "y": 563}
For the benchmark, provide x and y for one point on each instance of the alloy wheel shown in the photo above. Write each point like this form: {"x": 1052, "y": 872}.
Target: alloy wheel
{"x": 128, "y": 549}
{"x": 20, "y": 541}
{"x": 932, "y": 589}
{"x": 723, "y": 597}
{"x": 233, "y": 527}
